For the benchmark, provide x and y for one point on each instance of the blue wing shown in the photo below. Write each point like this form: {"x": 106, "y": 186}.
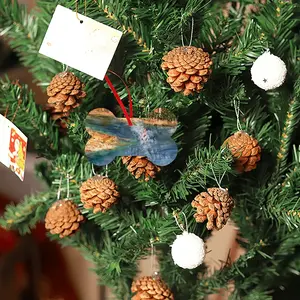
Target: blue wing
{"x": 142, "y": 139}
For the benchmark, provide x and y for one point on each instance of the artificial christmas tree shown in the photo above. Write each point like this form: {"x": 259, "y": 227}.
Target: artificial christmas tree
{"x": 266, "y": 199}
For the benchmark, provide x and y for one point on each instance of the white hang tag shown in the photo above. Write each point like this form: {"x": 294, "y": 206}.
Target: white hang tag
{"x": 81, "y": 43}
{"x": 13, "y": 147}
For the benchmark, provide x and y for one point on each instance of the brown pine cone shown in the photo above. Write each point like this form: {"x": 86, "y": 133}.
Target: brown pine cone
{"x": 140, "y": 165}
{"x": 65, "y": 93}
{"x": 215, "y": 206}
{"x": 245, "y": 150}
{"x": 63, "y": 218}
{"x": 188, "y": 69}
{"x": 151, "y": 288}
{"x": 99, "y": 193}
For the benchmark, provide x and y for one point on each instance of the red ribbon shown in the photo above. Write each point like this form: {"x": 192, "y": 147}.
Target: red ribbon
{"x": 127, "y": 115}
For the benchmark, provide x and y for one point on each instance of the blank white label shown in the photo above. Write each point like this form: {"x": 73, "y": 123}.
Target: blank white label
{"x": 87, "y": 46}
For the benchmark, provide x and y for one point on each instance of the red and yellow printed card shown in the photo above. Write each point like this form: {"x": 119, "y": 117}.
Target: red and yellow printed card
{"x": 13, "y": 147}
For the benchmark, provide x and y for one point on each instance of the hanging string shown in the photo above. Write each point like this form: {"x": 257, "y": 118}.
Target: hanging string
{"x": 152, "y": 256}
{"x": 119, "y": 100}
{"x": 215, "y": 177}
{"x": 128, "y": 92}
{"x": 148, "y": 110}
{"x": 14, "y": 116}
{"x": 59, "y": 188}
{"x": 15, "y": 113}
{"x": 68, "y": 186}
{"x": 77, "y": 12}
{"x": 95, "y": 174}
{"x": 237, "y": 113}
{"x": 222, "y": 177}
{"x": 192, "y": 32}
{"x": 81, "y": 172}
{"x": 93, "y": 170}
{"x": 159, "y": 112}
{"x": 217, "y": 181}
{"x": 6, "y": 111}
{"x": 85, "y": 5}
{"x": 183, "y": 228}
{"x": 181, "y": 31}
{"x": 65, "y": 68}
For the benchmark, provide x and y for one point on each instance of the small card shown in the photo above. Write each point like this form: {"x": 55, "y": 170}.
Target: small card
{"x": 13, "y": 147}
{"x": 81, "y": 43}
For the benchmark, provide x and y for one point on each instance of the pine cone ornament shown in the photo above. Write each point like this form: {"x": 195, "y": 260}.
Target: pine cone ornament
{"x": 215, "y": 206}
{"x": 140, "y": 165}
{"x": 151, "y": 288}
{"x": 99, "y": 193}
{"x": 245, "y": 150}
{"x": 188, "y": 69}
{"x": 63, "y": 218}
{"x": 65, "y": 93}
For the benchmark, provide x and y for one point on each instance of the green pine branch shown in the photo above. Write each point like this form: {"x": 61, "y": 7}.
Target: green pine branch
{"x": 107, "y": 263}
{"x": 259, "y": 295}
{"x": 277, "y": 21}
{"x": 21, "y": 109}
{"x": 243, "y": 272}
{"x": 65, "y": 174}
{"x": 24, "y": 33}
{"x": 24, "y": 215}
{"x": 222, "y": 277}
{"x": 243, "y": 52}
{"x": 291, "y": 122}
{"x": 284, "y": 202}
{"x": 206, "y": 165}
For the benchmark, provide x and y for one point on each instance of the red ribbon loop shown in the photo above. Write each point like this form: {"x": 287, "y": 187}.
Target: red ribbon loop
{"x": 127, "y": 115}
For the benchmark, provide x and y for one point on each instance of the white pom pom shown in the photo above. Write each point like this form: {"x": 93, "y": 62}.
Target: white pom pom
{"x": 188, "y": 250}
{"x": 268, "y": 71}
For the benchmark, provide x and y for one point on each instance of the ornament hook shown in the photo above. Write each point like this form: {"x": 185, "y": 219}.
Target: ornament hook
{"x": 154, "y": 273}
{"x": 93, "y": 170}
{"x": 59, "y": 188}
{"x": 237, "y": 110}
{"x": 152, "y": 256}
{"x": 68, "y": 186}
{"x": 85, "y": 5}
{"x": 180, "y": 225}
{"x": 218, "y": 182}
{"x": 65, "y": 68}
{"x": 192, "y": 32}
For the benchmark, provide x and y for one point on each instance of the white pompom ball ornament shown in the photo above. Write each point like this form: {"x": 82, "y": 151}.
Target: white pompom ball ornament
{"x": 188, "y": 250}
{"x": 268, "y": 71}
